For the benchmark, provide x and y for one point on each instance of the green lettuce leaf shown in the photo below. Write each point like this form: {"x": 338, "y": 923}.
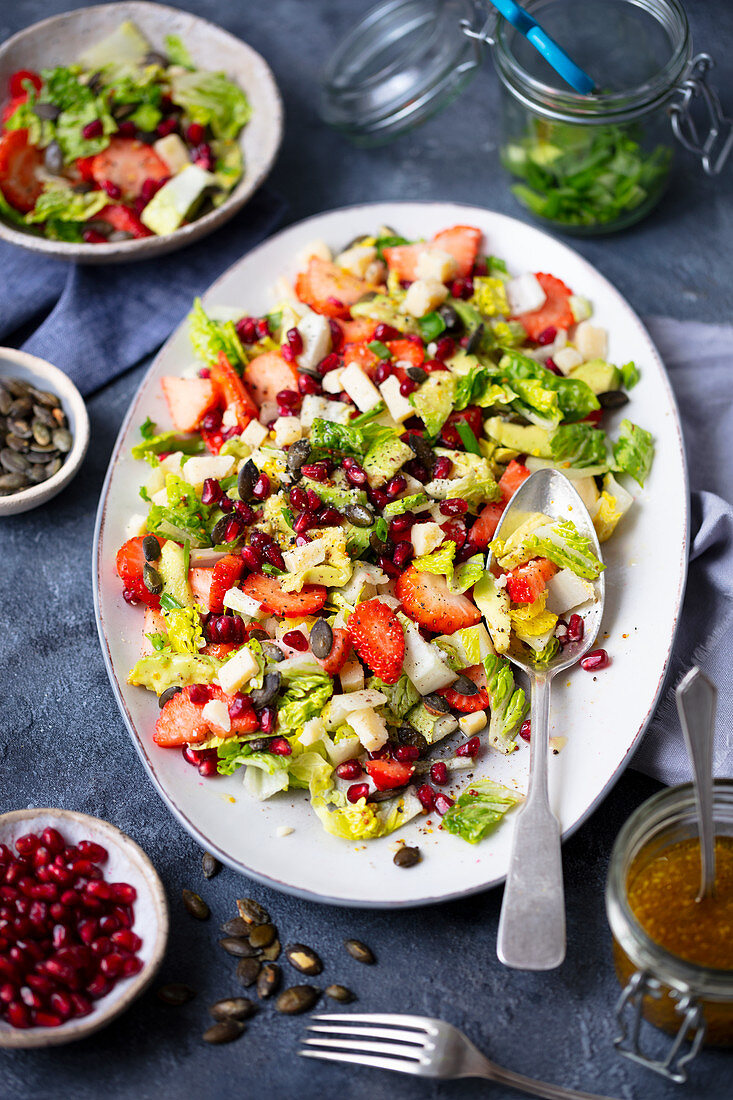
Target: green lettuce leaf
{"x": 363, "y": 820}
{"x": 401, "y": 697}
{"x": 558, "y": 540}
{"x": 479, "y": 809}
{"x": 404, "y": 504}
{"x": 63, "y": 204}
{"x": 629, "y": 375}
{"x": 177, "y": 52}
{"x": 634, "y": 451}
{"x": 575, "y": 397}
{"x": 536, "y": 402}
{"x": 212, "y": 100}
{"x": 165, "y": 442}
{"x": 210, "y": 337}
{"x": 441, "y": 562}
{"x": 184, "y": 512}
{"x": 543, "y": 657}
{"x": 183, "y": 624}
{"x": 305, "y": 697}
{"x": 346, "y": 440}
{"x": 508, "y": 705}
{"x": 579, "y": 445}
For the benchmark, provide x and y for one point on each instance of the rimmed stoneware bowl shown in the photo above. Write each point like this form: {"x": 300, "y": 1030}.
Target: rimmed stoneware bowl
{"x": 126, "y": 863}
{"x": 43, "y": 375}
{"x": 60, "y": 39}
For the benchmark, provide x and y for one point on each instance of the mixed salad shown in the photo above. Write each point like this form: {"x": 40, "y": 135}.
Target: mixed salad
{"x": 128, "y": 142}
{"x": 317, "y": 611}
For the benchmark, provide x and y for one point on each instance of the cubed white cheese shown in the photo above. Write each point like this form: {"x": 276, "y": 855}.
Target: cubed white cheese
{"x": 305, "y": 557}
{"x": 369, "y": 727}
{"x": 318, "y": 249}
{"x": 315, "y": 332}
{"x": 287, "y": 430}
{"x": 229, "y": 417}
{"x": 398, "y": 406}
{"x": 434, "y": 263}
{"x": 345, "y": 749}
{"x": 196, "y": 470}
{"x": 237, "y": 600}
{"x": 341, "y": 706}
{"x": 135, "y": 526}
{"x": 567, "y": 358}
{"x": 360, "y": 388}
{"x": 524, "y": 293}
{"x": 425, "y": 538}
{"x": 313, "y": 730}
{"x": 217, "y": 713}
{"x": 591, "y": 341}
{"x": 237, "y": 671}
{"x": 332, "y": 381}
{"x": 357, "y": 260}
{"x": 161, "y": 497}
{"x": 424, "y": 663}
{"x": 173, "y": 152}
{"x": 423, "y": 296}
{"x": 171, "y": 464}
{"x": 352, "y": 676}
{"x": 312, "y": 408}
{"x": 472, "y": 723}
{"x": 565, "y": 591}
{"x": 156, "y": 480}
{"x": 254, "y": 434}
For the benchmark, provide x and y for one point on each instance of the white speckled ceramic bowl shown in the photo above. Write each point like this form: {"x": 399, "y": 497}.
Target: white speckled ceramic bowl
{"x": 127, "y": 863}
{"x": 60, "y": 39}
{"x": 19, "y": 364}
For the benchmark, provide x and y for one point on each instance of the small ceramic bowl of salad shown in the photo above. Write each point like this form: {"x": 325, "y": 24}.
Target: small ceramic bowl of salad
{"x": 129, "y": 130}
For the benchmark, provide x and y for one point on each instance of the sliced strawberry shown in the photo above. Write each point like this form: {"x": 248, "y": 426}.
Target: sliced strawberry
{"x": 402, "y": 259}
{"x": 124, "y": 219}
{"x": 199, "y": 580}
{"x": 358, "y": 330}
{"x": 153, "y": 623}
{"x": 328, "y": 289}
{"x": 227, "y": 572}
{"x": 19, "y": 166}
{"x": 130, "y": 562}
{"x": 339, "y": 654}
{"x": 594, "y": 417}
{"x": 16, "y": 84}
{"x": 84, "y": 166}
{"x": 486, "y": 523}
{"x": 364, "y": 358}
{"x": 378, "y": 638}
{"x": 181, "y": 721}
{"x": 474, "y": 418}
{"x": 127, "y": 163}
{"x": 267, "y": 591}
{"x": 407, "y": 351}
{"x": 388, "y": 774}
{"x": 462, "y": 242}
{"x": 232, "y": 391}
{"x": 512, "y": 478}
{"x": 266, "y": 375}
{"x": 189, "y": 399}
{"x": 527, "y": 582}
{"x": 555, "y": 312}
{"x": 220, "y": 650}
{"x": 468, "y": 704}
{"x": 426, "y": 599}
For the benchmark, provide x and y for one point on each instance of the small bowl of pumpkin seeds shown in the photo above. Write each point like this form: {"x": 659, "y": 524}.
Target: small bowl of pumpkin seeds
{"x": 44, "y": 431}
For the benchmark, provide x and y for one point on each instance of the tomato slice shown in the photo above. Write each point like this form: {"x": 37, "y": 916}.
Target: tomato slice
{"x": 127, "y": 163}
{"x": 16, "y": 86}
{"x": 19, "y": 164}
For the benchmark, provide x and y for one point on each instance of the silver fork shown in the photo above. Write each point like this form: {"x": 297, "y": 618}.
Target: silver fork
{"x": 418, "y": 1045}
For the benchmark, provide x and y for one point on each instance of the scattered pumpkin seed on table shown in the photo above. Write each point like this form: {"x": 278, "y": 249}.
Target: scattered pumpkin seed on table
{"x": 269, "y": 980}
{"x": 236, "y": 927}
{"x": 272, "y": 953}
{"x": 340, "y": 993}
{"x": 248, "y": 971}
{"x": 299, "y": 998}
{"x": 233, "y": 1008}
{"x": 239, "y": 947}
{"x": 175, "y": 994}
{"x": 303, "y": 959}
{"x": 252, "y": 912}
{"x": 360, "y": 952}
{"x": 262, "y": 935}
{"x": 223, "y": 1032}
{"x": 195, "y": 905}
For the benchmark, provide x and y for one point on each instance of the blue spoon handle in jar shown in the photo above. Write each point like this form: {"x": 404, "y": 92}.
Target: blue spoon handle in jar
{"x": 553, "y": 54}
{"x": 696, "y": 702}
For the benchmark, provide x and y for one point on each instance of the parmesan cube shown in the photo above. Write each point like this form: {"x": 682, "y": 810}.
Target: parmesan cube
{"x": 318, "y": 250}
{"x": 315, "y": 333}
{"x": 345, "y": 749}
{"x": 352, "y": 676}
{"x": 196, "y": 470}
{"x": 357, "y": 260}
{"x": 565, "y": 591}
{"x": 135, "y": 526}
{"x": 591, "y": 341}
{"x": 237, "y": 600}
{"x": 360, "y": 388}
{"x": 434, "y": 263}
{"x": 254, "y": 434}
{"x": 313, "y": 731}
{"x": 332, "y": 381}
{"x": 425, "y": 538}
{"x": 369, "y": 727}
{"x": 171, "y": 464}
{"x": 524, "y": 293}
{"x": 472, "y": 723}
{"x": 237, "y": 671}
{"x": 398, "y": 406}
{"x": 173, "y": 152}
{"x": 341, "y": 706}
{"x": 424, "y": 296}
{"x": 566, "y": 359}
{"x": 217, "y": 713}
{"x": 161, "y": 497}
{"x": 312, "y": 408}
{"x": 229, "y": 417}
{"x": 337, "y": 412}
{"x": 287, "y": 430}
{"x": 305, "y": 557}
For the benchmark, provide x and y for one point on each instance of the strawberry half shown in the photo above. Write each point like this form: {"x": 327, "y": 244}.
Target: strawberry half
{"x": 227, "y": 572}
{"x": 189, "y": 399}
{"x": 426, "y": 599}
{"x": 527, "y": 582}
{"x": 268, "y": 592}
{"x": 555, "y": 312}
{"x": 468, "y": 704}
{"x": 130, "y": 563}
{"x": 328, "y": 289}
{"x": 378, "y": 638}
{"x": 339, "y": 652}
{"x": 388, "y": 774}
{"x": 511, "y": 479}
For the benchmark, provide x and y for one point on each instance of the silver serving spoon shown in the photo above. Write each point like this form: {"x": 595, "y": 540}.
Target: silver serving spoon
{"x": 532, "y": 923}
{"x": 696, "y": 701}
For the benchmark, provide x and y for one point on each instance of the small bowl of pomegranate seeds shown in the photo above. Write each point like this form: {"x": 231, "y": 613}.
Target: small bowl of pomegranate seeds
{"x": 83, "y": 925}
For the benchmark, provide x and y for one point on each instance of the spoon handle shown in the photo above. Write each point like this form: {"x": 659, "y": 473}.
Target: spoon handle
{"x": 532, "y": 923}
{"x": 696, "y": 702}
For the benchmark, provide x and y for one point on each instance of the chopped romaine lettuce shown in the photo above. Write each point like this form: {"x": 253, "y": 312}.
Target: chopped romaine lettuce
{"x": 62, "y": 204}
{"x": 184, "y": 629}
{"x": 209, "y": 338}
{"x": 401, "y": 697}
{"x": 634, "y": 451}
{"x": 177, "y": 52}
{"x": 184, "y": 514}
{"x": 479, "y": 809}
{"x": 542, "y": 537}
{"x": 305, "y": 697}
{"x": 212, "y": 100}
{"x": 507, "y": 705}
{"x": 575, "y": 397}
{"x": 579, "y": 445}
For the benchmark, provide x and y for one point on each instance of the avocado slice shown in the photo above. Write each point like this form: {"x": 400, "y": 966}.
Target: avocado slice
{"x": 170, "y": 565}
{"x": 177, "y": 199}
{"x": 383, "y": 460}
{"x": 493, "y": 603}
{"x": 599, "y": 375}
{"x": 159, "y": 671}
{"x": 524, "y": 438}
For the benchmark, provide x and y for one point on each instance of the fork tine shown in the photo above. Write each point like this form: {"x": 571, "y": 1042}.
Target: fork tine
{"x": 418, "y": 1037}
{"x": 394, "y": 1018}
{"x": 397, "y": 1064}
{"x": 399, "y": 1050}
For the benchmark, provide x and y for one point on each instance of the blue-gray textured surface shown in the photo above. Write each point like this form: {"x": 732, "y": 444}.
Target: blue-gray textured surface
{"x": 62, "y": 741}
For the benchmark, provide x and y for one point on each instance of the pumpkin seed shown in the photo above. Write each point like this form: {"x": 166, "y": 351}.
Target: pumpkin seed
{"x": 151, "y": 548}
{"x": 195, "y": 905}
{"x": 260, "y": 697}
{"x": 167, "y": 695}
{"x": 21, "y": 406}
{"x": 247, "y": 971}
{"x": 246, "y": 481}
{"x": 271, "y": 651}
{"x": 416, "y": 374}
{"x": 53, "y": 154}
{"x": 321, "y": 639}
{"x": 16, "y": 443}
{"x": 239, "y": 947}
{"x": 384, "y": 796}
{"x": 233, "y": 1008}
{"x": 360, "y": 952}
{"x": 262, "y": 935}
{"x": 422, "y": 450}
{"x": 45, "y": 415}
{"x": 210, "y": 865}
{"x": 464, "y": 686}
{"x": 236, "y": 927}
{"x": 359, "y": 515}
{"x": 175, "y": 993}
{"x": 152, "y": 579}
{"x": 299, "y": 998}
{"x": 435, "y": 704}
{"x": 259, "y": 744}
{"x": 298, "y": 454}
{"x": 613, "y": 399}
{"x": 41, "y": 433}
{"x": 37, "y": 474}
{"x": 219, "y": 531}
{"x": 475, "y": 339}
{"x": 13, "y": 462}
{"x": 5, "y": 401}
{"x": 407, "y": 735}
{"x": 272, "y": 952}
{"x": 20, "y": 427}
{"x": 62, "y": 440}
{"x": 406, "y": 856}
{"x": 45, "y": 397}
{"x": 54, "y": 466}
{"x": 10, "y": 483}
{"x": 340, "y": 993}
{"x": 47, "y": 111}
{"x": 269, "y": 980}
{"x": 40, "y": 456}
{"x": 303, "y": 959}
{"x": 223, "y": 1032}
{"x": 17, "y": 386}
{"x": 252, "y": 911}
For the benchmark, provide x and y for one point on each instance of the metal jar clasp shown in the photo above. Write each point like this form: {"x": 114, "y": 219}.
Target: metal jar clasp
{"x": 629, "y": 1013}
{"x": 714, "y": 147}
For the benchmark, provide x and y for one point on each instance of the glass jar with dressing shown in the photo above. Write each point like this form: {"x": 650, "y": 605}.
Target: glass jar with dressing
{"x": 673, "y": 954}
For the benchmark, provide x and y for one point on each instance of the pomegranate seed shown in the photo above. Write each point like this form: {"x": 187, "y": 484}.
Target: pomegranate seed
{"x": 87, "y": 929}
{"x": 301, "y": 540}
{"x": 480, "y": 268}
{"x": 127, "y": 940}
{"x": 552, "y": 366}
{"x": 312, "y": 501}
{"x": 442, "y": 803}
{"x": 426, "y": 796}
{"x": 262, "y": 328}
{"x": 274, "y": 556}
{"x": 454, "y": 507}
{"x": 81, "y": 1006}
{"x": 576, "y": 628}
{"x": 95, "y": 852}
{"x": 195, "y": 133}
{"x": 295, "y": 341}
{"x": 439, "y": 773}
{"x": 388, "y": 566}
{"x": 266, "y": 717}
{"x": 30, "y": 997}
{"x": 199, "y": 694}
{"x": 91, "y": 236}
{"x": 383, "y": 371}
{"x": 251, "y": 558}
{"x": 470, "y": 748}
{"x": 112, "y": 189}
{"x": 445, "y": 348}
{"x": 443, "y": 468}
{"x": 27, "y": 844}
{"x": 239, "y": 706}
{"x": 245, "y": 513}
{"x": 349, "y": 769}
{"x": 289, "y": 399}
{"x": 246, "y": 330}
{"x": 6, "y": 855}
{"x": 18, "y": 1015}
{"x": 329, "y": 517}
{"x": 401, "y": 523}
{"x": 212, "y": 491}
{"x": 403, "y": 554}
{"x": 280, "y": 746}
{"x": 595, "y": 661}
{"x": 211, "y": 422}
{"x": 303, "y": 523}
{"x": 99, "y": 889}
{"x": 45, "y": 891}
{"x": 41, "y": 856}
{"x": 407, "y": 386}
{"x": 93, "y": 129}
{"x": 203, "y": 156}
{"x": 406, "y": 753}
{"x": 337, "y": 335}
{"x": 62, "y": 1005}
{"x": 127, "y": 128}
{"x": 62, "y": 972}
{"x": 547, "y": 336}
{"x": 298, "y": 498}
{"x": 335, "y": 303}
{"x": 395, "y": 486}
{"x": 167, "y": 126}
{"x": 261, "y": 487}
{"x": 357, "y": 791}
{"x": 385, "y": 332}
{"x": 98, "y": 987}
{"x": 131, "y": 966}
{"x": 124, "y": 893}
{"x": 8, "y": 993}
{"x": 317, "y": 471}
{"x": 328, "y": 363}
{"x": 296, "y": 639}
{"x": 526, "y": 730}
{"x": 111, "y": 965}
{"x": 308, "y": 384}
{"x": 356, "y": 475}
{"x": 462, "y": 288}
